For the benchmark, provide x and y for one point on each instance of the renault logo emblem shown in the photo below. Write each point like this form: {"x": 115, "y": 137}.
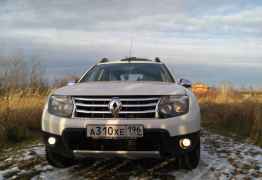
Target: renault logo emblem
{"x": 115, "y": 106}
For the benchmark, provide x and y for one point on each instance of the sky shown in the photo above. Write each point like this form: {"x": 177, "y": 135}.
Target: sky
{"x": 208, "y": 32}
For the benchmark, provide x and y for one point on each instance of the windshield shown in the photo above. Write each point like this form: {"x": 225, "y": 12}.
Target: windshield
{"x": 128, "y": 72}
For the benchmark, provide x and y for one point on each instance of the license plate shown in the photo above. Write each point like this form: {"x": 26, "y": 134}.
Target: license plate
{"x": 115, "y": 131}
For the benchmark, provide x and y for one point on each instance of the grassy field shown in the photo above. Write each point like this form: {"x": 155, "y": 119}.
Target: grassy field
{"x": 233, "y": 112}
{"x": 20, "y": 115}
{"x": 227, "y": 113}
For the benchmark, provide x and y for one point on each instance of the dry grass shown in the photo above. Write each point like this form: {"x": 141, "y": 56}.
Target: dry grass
{"x": 233, "y": 112}
{"x": 20, "y": 113}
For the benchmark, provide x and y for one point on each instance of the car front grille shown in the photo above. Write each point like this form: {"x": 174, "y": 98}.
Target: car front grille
{"x": 132, "y": 106}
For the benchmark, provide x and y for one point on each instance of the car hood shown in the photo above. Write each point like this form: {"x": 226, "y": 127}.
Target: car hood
{"x": 121, "y": 89}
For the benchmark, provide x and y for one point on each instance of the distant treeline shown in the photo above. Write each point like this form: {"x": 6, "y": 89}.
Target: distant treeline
{"x": 17, "y": 73}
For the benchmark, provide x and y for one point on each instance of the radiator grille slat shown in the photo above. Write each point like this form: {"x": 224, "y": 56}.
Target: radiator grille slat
{"x": 132, "y": 107}
{"x": 121, "y": 112}
{"x": 91, "y": 105}
{"x": 121, "y": 99}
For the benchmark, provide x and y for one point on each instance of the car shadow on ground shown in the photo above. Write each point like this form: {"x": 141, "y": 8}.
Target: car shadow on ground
{"x": 117, "y": 168}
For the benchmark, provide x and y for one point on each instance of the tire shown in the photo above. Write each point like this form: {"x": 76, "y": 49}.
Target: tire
{"x": 57, "y": 160}
{"x": 190, "y": 160}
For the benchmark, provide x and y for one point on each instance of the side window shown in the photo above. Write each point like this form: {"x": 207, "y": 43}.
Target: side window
{"x": 165, "y": 74}
{"x": 90, "y": 75}
{"x": 87, "y": 75}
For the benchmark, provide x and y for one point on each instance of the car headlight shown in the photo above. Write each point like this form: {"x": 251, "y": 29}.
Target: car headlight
{"x": 61, "y": 106}
{"x": 170, "y": 106}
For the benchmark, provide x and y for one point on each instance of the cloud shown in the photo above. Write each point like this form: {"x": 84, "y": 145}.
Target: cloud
{"x": 187, "y": 31}
{"x": 123, "y": 15}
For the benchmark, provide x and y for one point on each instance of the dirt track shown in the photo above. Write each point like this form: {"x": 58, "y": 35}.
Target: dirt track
{"x": 221, "y": 158}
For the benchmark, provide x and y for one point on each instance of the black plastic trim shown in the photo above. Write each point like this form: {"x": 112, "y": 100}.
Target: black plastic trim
{"x": 169, "y": 145}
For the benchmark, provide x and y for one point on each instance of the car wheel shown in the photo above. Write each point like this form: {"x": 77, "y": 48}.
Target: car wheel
{"x": 57, "y": 160}
{"x": 190, "y": 160}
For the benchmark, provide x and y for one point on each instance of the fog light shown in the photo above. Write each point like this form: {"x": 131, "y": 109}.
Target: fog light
{"x": 51, "y": 140}
{"x": 185, "y": 143}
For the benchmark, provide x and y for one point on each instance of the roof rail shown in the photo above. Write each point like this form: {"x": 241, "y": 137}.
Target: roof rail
{"x": 157, "y": 59}
{"x": 134, "y": 59}
{"x": 104, "y": 60}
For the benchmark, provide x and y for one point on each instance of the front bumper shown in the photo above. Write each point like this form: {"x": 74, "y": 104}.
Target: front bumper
{"x": 180, "y": 125}
{"x": 155, "y": 143}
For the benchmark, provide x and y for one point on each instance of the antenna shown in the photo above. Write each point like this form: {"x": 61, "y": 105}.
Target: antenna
{"x": 131, "y": 47}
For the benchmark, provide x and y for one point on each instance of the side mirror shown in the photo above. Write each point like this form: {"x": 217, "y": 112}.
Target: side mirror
{"x": 71, "y": 83}
{"x": 184, "y": 82}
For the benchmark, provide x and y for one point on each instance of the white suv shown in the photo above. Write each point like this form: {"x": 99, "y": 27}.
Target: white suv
{"x": 131, "y": 108}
